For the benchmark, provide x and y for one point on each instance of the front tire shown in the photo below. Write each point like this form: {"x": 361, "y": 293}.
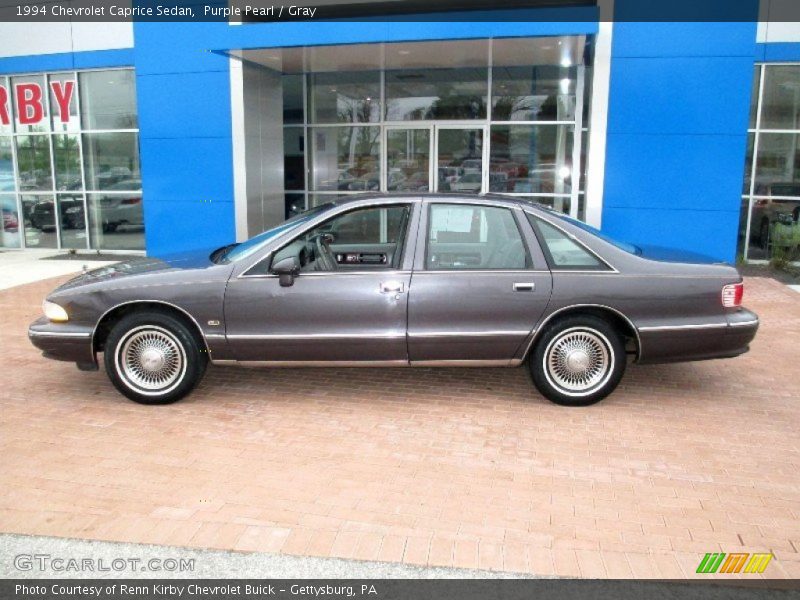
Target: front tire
{"x": 154, "y": 358}
{"x": 578, "y": 361}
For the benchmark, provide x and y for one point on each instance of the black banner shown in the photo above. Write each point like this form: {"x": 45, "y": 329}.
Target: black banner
{"x": 390, "y": 589}
{"x": 260, "y": 11}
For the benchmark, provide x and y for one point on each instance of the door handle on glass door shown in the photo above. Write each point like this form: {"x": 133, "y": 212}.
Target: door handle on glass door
{"x": 524, "y": 287}
{"x": 392, "y": 287}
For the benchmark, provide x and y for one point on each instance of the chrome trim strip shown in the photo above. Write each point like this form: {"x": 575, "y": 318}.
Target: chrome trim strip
{"x": 479, "y": 272}
{"x": 437, "y": 334}
{"x": 745, "y": 323}
{"x": 317, "y": 336}
{"x": 329, "y": 273}
{"x": 162, "y": 302}
{"x": 62, "y": 334}
{"x": 311, "y": 363}
{"x": 698, "y": 326}
{"x": 649, "y": 328}
{"x": 514, "y": 362}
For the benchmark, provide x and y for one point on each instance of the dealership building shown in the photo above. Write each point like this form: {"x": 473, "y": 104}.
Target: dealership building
{"x": 163, "y": 137}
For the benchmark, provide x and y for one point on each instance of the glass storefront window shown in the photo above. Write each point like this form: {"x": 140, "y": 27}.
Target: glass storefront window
{"x": 294, "y": 204}
{"x": 771, "y": 214}
{"x": 778, "y": 162}
{"x": 542, "y": 93}
{"x": 116, "y": 221}
{"x": 67, "y": 162}
{"x": 408, "y": 153}
{"x": 294, "y": 167}
{"x": 49, "y": 153}
{"x": 111, "y": 161}
{"x": 63, "y": 91}
{"x": 7, "y": 179}
{"x": 345, "y": 158}
{"x": 40, "y": 220}
{"x": 10, "y": 228}
{"x": 754, "y": 97}
{"x": 292, "y": 99}
{"x": 73, "y": 220}
{"x": 781, "y": 101}
{"x": 345, "y": 97}
{"x": 5, "y": 98}
{"x": 108, "y": 99}
{"x": 427, "y": 94}
{"x": 30, "y": 108}
{"x": 33, "y": 163}
{"x": 531, "y": 159}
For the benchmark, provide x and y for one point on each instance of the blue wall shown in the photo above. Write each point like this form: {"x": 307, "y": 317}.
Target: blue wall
{"x": 183, "y": 90}
{"x": 677, "y": 131}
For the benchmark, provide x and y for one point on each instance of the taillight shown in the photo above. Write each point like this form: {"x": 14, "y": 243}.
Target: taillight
{"x": 732, "y": 295}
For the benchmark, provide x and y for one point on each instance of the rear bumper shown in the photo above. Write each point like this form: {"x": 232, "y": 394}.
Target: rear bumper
{"x": 660, "y": 344}
{"x": 63, "y": 341}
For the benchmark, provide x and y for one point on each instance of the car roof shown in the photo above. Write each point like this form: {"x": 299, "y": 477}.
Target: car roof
{"x": 461, "y": 197}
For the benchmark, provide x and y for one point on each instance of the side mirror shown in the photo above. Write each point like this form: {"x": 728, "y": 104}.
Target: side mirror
{"x": 287, "y": 269}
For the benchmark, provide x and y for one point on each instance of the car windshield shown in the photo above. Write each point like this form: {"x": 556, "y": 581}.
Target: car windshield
{"x": 246, "y": 248}
{"x": 629, "y": 248}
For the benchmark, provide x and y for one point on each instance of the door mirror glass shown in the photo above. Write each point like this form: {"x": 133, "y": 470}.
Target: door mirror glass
{"x": 287, "y": 269}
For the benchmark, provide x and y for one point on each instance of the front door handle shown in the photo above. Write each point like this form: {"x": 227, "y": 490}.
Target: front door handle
{"x": 392, "y": 287}
{"x": 524, "y": 287}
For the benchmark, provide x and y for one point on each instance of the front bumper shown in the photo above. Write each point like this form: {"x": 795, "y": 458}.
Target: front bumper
{"x": 63, "y": 341}
{"x": 699, "y": 342}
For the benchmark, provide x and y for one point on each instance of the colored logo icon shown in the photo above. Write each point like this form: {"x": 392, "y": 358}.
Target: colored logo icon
{"x": 736, "y": 562}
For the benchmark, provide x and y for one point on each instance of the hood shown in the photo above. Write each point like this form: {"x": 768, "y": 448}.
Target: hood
{"x": 194, "y": 259}
{"x": 660, "y": 253}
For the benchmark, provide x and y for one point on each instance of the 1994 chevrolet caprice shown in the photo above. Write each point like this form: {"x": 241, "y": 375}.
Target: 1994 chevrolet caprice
{"x": 397, "y": 281}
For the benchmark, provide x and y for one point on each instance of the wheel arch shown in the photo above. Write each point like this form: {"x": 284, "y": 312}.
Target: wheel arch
{"x": 114, "y": 314}
{"x": 616, "y": 318}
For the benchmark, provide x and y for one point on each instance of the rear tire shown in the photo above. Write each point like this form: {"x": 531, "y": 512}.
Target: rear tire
{"x": 154, "y": 358}
{"x": 578, "y": 361}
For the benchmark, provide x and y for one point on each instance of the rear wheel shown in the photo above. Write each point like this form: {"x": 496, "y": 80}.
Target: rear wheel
{"x": 578, "y": 361}
{"x": 154, "y": 358}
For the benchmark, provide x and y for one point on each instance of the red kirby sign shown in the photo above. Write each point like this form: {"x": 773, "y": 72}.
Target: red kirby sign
{"x": 30, "y": 102}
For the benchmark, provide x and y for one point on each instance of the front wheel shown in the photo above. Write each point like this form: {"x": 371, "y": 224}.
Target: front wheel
{"x": 578, "y": 361}
{"x": 154, "y": 358}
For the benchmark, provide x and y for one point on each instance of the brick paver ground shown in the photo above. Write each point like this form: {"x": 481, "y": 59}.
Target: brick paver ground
{"x": 467, "y": 468}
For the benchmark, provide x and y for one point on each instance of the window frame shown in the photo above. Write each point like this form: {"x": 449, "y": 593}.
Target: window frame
{"x": 529, "y": 262}
{"x": 402, "y": 244}
{"x": 602, "y": 267}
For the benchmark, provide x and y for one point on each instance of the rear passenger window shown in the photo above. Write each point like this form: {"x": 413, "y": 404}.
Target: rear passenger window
{"x": 463, "y": 236}
{"x": 562, "y": 251}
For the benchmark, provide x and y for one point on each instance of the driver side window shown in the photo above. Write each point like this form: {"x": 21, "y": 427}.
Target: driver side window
{"x": 365, "y": 238}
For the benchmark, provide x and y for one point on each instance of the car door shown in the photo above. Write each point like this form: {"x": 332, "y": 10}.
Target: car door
{"x": 353, "y": 312}
{"x": 479, "y": 286}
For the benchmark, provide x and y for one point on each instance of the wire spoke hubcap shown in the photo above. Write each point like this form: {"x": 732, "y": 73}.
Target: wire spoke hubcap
{"x": 578, "y": 360}
{"x": 151, "y": 360}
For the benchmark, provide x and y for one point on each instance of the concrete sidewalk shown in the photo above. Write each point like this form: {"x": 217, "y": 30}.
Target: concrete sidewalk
{"x": 21, "y": 267}
{"x": 106, "y": 557}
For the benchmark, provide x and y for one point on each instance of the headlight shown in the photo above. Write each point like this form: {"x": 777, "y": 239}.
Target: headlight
{"x": 54, "y": 312}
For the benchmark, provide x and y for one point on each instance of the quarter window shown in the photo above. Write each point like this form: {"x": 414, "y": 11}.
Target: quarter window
{"x": 463, "y": 236}
{"x": 562, "y": 251}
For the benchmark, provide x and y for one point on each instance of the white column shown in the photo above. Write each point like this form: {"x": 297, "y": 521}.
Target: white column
{"x": 237, "y": 137}
{"x": 598, "y": 119}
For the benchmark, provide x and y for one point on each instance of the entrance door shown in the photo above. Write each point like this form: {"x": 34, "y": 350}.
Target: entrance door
{"x": 408, "y": 159}
{"x": 459, "y": 159}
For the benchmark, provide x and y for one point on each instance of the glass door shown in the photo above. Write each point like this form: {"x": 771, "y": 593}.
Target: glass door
{"x": 460, "y": 159}
{"x": 408, "y": 159}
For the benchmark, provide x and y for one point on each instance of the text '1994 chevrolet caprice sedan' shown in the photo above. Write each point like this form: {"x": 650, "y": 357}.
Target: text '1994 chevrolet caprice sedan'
{"x": 402, "y": 281}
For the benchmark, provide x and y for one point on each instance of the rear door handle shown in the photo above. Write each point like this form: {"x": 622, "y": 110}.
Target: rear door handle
{"x": 392, "y": 287}
{"x": 524, "y": 287}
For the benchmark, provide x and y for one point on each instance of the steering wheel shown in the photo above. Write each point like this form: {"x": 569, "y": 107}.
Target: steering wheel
{"x": 325, "y": 257}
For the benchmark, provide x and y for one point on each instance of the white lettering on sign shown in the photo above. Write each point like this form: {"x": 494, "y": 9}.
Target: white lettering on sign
{"x": 30, "y": 102}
